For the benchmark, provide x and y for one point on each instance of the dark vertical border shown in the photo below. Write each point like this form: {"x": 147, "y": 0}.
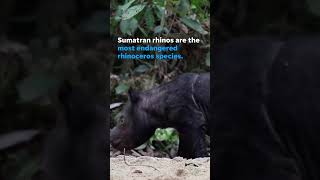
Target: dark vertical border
{"x": 108, "y": 97}
{"x": 212, "y": 44}
{"x": 213, "y": 41}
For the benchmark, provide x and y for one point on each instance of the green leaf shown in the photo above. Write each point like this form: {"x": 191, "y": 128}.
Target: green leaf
{"x": 149, "y": 18}
{"x": 159, "y": 2}
{"x": 170, "y": 131}
{"x": 141, "y": 68}
{"x": 158, "y": 29}
{"x": 121, "y": 88}
{"x": 193, "y": 24}
{"x": 199, "y": 3}
{"x": 128, "y": 26}
{"x": 183, "y": 7}
{"x": 36, "y": 85}
{"x": 160, "y": 12}
{"x": 132, "y": 11}
{"x": 160, "y": 135}
{"x": 126, "y": 6}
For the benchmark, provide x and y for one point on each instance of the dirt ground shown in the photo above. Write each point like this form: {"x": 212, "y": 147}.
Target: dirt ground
{"x": 152, "y": 168}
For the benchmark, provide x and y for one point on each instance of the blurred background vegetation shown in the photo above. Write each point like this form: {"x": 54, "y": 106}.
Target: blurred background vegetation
{"x": 165, "y": 18}
{"x": 42, "y": 43}
{"x": 280, "y": 18}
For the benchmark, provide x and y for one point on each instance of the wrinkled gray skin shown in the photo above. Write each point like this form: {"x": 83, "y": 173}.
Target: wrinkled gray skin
{"x": 182, "y": 104}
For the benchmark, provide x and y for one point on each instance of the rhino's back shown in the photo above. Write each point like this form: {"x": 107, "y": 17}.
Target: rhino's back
{"x": 202, "y": 93}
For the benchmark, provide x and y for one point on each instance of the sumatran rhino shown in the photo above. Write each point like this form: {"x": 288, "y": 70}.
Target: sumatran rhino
{"x": 267, "y": 109}
{"x": 75, "y": 148}
{"x": 182, "y": 104}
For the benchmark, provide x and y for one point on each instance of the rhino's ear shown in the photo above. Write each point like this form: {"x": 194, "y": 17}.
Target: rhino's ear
{"x": 133, "y": 95}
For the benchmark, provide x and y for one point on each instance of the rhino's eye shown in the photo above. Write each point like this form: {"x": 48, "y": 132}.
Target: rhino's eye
{"x": 121, "y": 120}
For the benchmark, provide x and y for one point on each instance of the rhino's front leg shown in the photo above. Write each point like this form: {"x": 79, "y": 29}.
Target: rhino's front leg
{"x": 192, "y": 143}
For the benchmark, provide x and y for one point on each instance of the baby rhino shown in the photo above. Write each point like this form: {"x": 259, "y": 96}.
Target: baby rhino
{"x": 182, "y": 104}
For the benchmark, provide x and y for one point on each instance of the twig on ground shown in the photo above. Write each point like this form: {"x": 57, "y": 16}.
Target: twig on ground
{"x": 136, "y": 153}
{"x": 124, "y": 159}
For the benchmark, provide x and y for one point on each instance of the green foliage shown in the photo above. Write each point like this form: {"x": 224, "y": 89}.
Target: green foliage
{"x": 128, "y": 26}
{"x": 164, "y": 140}
{"x": 132, "y": 11}
{"x": 193, "y": 24}
{"x": 201, "y": 8}
{"x": 121, "y": 88}
{"x": 160, "y": 16}
{"x": 168, "y": 135}
{"x": 149, "y": 18}
{"x": 33, "y": 60}
{"x": 141, "y": 68}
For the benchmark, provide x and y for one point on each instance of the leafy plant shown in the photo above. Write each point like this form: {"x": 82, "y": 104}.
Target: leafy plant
{"x": 159, "y": 16}
{"x": 168, "y": 135}
{"x": 163, "y": 140}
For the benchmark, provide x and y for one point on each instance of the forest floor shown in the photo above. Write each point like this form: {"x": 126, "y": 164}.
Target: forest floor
{"x": 153, "y": 168}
